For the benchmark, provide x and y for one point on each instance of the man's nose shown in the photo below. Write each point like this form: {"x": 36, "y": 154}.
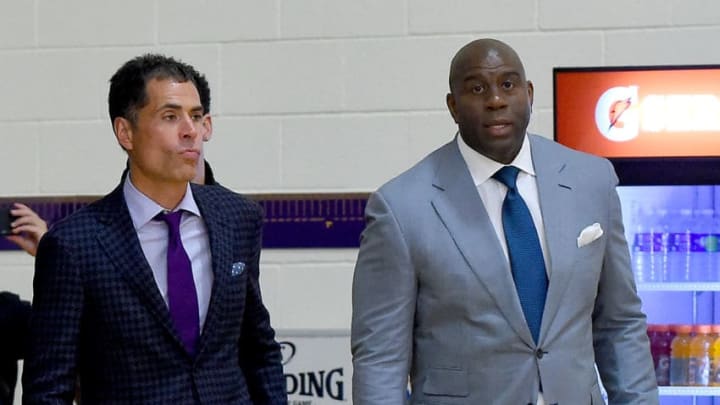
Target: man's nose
{"x": 496, "y": 99}
{"x": 188, "y": 127}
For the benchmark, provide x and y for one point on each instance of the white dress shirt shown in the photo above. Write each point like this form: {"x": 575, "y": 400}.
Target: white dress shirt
{"x": 153, "y": 236}
{"x": 492, "y": 193}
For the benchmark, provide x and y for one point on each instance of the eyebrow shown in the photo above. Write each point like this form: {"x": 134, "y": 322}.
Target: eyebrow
{"x": 174, "y": 106}
{"x": 476, "y": 76}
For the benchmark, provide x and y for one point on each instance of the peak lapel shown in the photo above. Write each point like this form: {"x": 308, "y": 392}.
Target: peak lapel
{"x": 221, "y": 237}
{"x": 119, "y": 240}
{"x": 462, "y": 212}
{"x": 555, "y": 194}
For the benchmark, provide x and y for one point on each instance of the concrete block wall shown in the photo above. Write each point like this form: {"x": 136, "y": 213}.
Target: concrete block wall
{"x": 308, "y": 95}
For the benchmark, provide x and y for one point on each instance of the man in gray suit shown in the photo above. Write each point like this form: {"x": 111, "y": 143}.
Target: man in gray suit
{"x": 442, "y": 296}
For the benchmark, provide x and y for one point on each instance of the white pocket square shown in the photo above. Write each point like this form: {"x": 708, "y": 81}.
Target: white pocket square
{"x": 589, "y": 234}
{"x": 237, "y": 269}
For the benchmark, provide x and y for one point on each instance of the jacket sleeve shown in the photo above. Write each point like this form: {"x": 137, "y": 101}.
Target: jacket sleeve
{"x": 383, "y": 308}
{"x": 14, "y": 324}
{"x": 49, "y": 371}
{"x": 622, "y": 349}
{"x": 261, "y": 360}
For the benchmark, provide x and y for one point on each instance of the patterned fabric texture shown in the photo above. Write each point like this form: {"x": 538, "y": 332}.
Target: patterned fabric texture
{"x": 99, "y": 316}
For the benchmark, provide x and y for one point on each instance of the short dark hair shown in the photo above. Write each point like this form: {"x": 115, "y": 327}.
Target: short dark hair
{"x": 128, "y": 85}
{"x": 203, "y": 89}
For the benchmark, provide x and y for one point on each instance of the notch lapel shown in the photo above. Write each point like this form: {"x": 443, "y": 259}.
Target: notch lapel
{"x": 462, "y": 212}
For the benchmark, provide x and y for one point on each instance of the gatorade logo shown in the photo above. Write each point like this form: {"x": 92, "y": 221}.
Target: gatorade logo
{"x": 616, "y": 113}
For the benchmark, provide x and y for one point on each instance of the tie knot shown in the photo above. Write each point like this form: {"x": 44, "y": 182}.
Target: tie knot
{"x": 507, "y": 176}
{"x": 172, "y": 219}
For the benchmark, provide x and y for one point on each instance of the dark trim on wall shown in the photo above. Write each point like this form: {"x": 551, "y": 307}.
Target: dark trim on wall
{"x": 317, "y": 220}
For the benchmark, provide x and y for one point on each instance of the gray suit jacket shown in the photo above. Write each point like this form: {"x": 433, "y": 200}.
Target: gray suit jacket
{"x": 434, "y": 299}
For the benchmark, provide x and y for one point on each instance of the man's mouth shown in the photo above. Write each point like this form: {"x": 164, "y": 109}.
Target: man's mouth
{"x": 190, "y": 154}
{"x": 498, "y": 128}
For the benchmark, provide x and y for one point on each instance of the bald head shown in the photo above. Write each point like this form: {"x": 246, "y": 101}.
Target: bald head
{"x": 486, "y": 52}
{"x": 490, "y": 99}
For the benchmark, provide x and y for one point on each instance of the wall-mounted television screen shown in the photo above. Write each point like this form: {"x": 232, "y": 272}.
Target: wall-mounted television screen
{"x": 657, "y": 124}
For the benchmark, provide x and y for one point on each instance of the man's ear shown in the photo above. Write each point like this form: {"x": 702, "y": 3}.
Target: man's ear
{"x": 531, "y": 92}
{"x": 450, "y": 101}
{"x": 123, "y": 132}
{"x": 207, "y": 126}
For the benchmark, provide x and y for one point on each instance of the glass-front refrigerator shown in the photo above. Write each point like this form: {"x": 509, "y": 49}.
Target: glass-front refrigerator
{"x": 660, "y": 127}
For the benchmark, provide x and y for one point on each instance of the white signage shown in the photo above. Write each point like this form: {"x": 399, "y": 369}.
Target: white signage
{"x": 317, "y": 365}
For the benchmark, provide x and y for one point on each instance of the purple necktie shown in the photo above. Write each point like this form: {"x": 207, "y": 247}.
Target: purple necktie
{"x": 182, "y": 297}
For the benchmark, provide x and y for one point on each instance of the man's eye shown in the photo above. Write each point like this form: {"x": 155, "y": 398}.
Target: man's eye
{"x": 478, "y": 88}
{"x": 197, "y": 117}
{"x": 170, "y": 117}
{"x": 507, "y": 85}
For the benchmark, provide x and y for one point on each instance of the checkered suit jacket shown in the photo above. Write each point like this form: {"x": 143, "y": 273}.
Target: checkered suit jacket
{"x": 97, "y": 314}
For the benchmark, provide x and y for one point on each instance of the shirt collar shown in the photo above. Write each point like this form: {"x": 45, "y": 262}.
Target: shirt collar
{"x": 143, "y": 209}
{"x": 482, "y": 167}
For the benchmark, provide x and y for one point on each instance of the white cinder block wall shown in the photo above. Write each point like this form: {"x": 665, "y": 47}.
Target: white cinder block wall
{"x": 308, "y": 95}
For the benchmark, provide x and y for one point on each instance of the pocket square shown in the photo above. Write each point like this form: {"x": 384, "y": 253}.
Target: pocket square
{"x": 589, "y": 234}
{"x": 237, "y": 269}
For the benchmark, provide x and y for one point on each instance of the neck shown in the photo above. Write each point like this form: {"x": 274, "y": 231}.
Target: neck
{"x": 167, "y": 195}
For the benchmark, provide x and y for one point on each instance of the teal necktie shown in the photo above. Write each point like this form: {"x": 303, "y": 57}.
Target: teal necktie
{"x": 526, "y": 257}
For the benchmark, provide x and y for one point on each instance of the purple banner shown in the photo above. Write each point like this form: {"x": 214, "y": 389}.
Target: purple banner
{"x": 291, "y": 220}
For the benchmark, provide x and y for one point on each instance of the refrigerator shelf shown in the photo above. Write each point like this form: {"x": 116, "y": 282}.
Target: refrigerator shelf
{"x": 680, "y": 286}
{"x": 690, "y": 391}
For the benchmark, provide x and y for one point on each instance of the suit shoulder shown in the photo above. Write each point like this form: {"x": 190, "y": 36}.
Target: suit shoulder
{"x": 582, "y": 162}
{"x": 419, "y": 175}
{"x": 584, "y": 166}
{"x": 228, "y": 200}
{"x": 554, "y": 148}
{"x": 80, "y": 222}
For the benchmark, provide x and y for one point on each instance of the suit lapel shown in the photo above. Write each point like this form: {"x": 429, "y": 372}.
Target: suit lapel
{"x": 555, "y": 195}
{"x": 220, "y": 236}
{"x": 462, "y": 212}
{"x": 119, "y": 240}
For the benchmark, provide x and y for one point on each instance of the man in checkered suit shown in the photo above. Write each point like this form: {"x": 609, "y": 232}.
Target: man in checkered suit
{"x": 100, "y": 307}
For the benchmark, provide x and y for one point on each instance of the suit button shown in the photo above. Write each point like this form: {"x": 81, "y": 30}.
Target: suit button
{"x": 539, "y": 353}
